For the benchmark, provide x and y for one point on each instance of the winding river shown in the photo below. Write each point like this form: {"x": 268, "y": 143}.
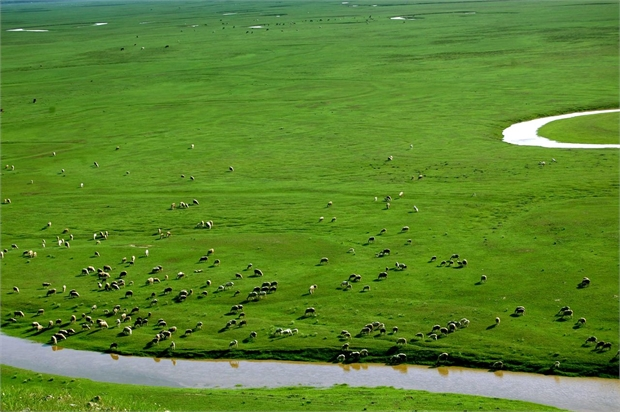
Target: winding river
{"x": 526, "y": 133}
{"x": 579, "y": 394}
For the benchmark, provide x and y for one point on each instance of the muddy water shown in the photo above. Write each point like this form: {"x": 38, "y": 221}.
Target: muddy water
{"x": 579, "y": 394}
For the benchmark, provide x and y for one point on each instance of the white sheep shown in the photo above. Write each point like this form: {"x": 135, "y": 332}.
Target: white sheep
{"x": 233, "y": 344}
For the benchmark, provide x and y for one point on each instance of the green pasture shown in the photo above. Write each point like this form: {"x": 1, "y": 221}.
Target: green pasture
{"x": 43, "y": 392}
{"x": 307, "y": 110}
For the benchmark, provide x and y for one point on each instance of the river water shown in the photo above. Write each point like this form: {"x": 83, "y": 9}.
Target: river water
{"x": 578, "y": 394}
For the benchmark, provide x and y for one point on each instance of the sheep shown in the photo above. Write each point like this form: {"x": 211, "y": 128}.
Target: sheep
{"x": 129, "y": 294}
{"x": 127, "y": 331}
{"x": 311, "y": 289}
{"x": 419, "y": 335}
{"x": 366, "y": 288}
{"x": 73, "y": 319}
{"x": 371, "y": 239}
{"x": 591, "y": 339}
{"x": 324, "y": 260}
{"x": 341, "y": 358}
{"x": 584, "y": 282}
{"x": 382, "y": 275}
{"x": 415, "y": 208}
{"x": 568, "y": 312}
{"x": 556, "y": 364}
{"x": 401, "y": 341}
{"x": 520, "y": 310}
{"x": 310, "y": 311}
{"x": 230, "y": 168}
{"x": 216, "y": 262}
{"x": 384, "y": 230}
{"x": 483, "y": 278}
{"x": 253, "y": 335}
{"x": 233, "y": 344}
{"x": 432, "y": 336}
{"x": 405, "y": 229}
{"x": 173, "y": 345}
{"x": 607, "y": 346}
{"x": 444, "y": 331}
{"x": 442, "y": 356}
{"x": 102, "y": 324}
{"x": 498, "y": 365}
{"x": 599, "y": 345}
{"x": 395, "y": 330}
{"x": 497, "y": 320}
{"x": 436, "y": 328}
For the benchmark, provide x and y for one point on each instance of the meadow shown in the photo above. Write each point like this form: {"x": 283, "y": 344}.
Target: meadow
{"x": 104, "y": 127}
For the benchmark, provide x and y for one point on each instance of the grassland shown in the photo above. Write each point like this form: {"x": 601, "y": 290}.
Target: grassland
{"x": 307, "y": 110}
{"x": 42, "y": 392}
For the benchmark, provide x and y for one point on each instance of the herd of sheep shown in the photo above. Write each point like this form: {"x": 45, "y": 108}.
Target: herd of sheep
{"x": 127, "y": 319}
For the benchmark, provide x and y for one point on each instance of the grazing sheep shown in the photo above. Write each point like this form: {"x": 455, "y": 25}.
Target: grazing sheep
{"x": 591, "y": 339}
{"x": 382, "y": 275}
{"x": 258, "y": 272}
{"x": 607, "y": 346}
{"x": 432, "y": 336}
{"x": 497, "y": 320}
{"x": 74, "y": 294}
{"x": 333, "y": 219}
{"x": 568, "y": 312}
{"x": 324, "y": 260}
{"x": 371, "y": 239}
{"x": 173, "y": 345}
{"x": 230, "y": 168}
{"x": 233, "y": 344}
{"x": 395, "y": 329}
{"x": 483, "y": 278}
{"x": 444, "y": 331}
{"x": 384, "y": 230}
{"x": 329, "y": 203}
{"x": 405, "y": 229}
{"x": 216, "y": 262}
{"x": 584, "y": 282}
{"x": 311, "y": 289}
{"x": 436, "y": 328}
{"x": 520, "y": 310}
{"x": 401, "y": 341}
{"x": 341, "y": 358}
{"x": 129, "y": 294}
{"x": 419, "y": 335}
{"x": 556, "y": 364}
{"x": 415, "y": 208}
{"x": 498, "y": 365}
{"x": 442, "y": 356}
{"x": 253, "y": 335}
{"x": 366, "y": 288}
{"x": 310, "y": 311}
{"x": 127, "y": 331}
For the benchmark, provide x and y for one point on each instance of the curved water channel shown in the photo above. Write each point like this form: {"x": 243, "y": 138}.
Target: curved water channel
{"x": 578, "y": 394}
{"x": 526, "y": 133}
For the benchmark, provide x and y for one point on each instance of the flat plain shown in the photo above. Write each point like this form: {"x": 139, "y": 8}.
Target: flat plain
{"x": 290, "y": 138}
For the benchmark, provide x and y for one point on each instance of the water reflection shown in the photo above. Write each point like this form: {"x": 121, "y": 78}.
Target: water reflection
{"x": 57, "y": 348}
{"x": 114, "y": 356}
{"x": 443, "y": 371}
{"x": 400, "y": 368}
{"x": 233, "y": 364}
{"x": 498, "y": 373}
{"x": 157, "y": 360}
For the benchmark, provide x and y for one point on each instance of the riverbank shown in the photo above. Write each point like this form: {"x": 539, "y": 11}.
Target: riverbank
{"x": 594, "y": 394}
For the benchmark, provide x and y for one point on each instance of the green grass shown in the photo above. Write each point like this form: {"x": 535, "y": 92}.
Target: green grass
{"x": 599, "y": 129}
{"x": 308, "y": 112}
{"x": 43, "y": 392}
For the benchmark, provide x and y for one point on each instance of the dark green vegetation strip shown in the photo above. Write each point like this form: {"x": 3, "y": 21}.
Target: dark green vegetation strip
{"x": 307, "y": 110}
{"x": 598, "y": 129}
{"x": 23, "y": 390}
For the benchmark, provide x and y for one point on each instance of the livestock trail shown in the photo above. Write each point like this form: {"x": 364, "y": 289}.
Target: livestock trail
{"x": 329, "y": 187}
